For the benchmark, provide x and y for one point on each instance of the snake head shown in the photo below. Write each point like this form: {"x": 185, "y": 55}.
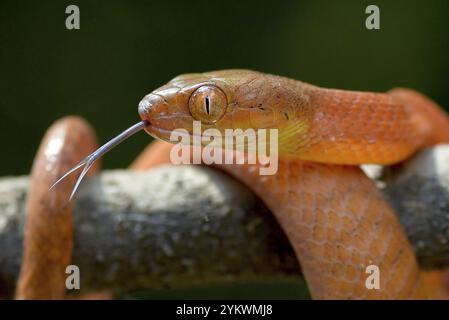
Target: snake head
{"x": 229, "y": 99}
{"x": 220, "y": 100}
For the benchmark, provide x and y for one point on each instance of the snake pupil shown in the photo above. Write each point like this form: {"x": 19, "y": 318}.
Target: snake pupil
{"x": 207, "y": 104}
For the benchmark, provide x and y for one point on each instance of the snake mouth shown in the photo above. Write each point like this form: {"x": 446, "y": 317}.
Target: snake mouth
{"x": 158, "y": 133}
{"x": 165, "y": 134}
{"x": 181, "y": 135}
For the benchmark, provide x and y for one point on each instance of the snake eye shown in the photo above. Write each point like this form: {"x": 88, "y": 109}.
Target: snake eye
{"x": 208, "y": 104}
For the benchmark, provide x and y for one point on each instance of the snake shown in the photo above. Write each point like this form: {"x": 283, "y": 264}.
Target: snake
{"x": 335, "y": 218}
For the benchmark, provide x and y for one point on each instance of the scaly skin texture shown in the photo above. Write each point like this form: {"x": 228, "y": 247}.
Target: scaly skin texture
{"x": 315, "y": 124}
{"x": 338, "y": 224}
{"x": 48, "y": 230}
{"x": 334, "y": 216}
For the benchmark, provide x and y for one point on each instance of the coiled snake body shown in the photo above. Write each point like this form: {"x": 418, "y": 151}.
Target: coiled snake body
{"x": 335, "y": 218}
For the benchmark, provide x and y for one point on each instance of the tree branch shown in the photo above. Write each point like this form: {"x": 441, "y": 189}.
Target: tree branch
{"x": 165, "y": 228}
{"x": 176, "y": 227}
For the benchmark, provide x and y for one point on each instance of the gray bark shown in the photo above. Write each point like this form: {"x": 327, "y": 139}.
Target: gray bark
{"x": 171, "y": 227}
{"x": 175, "y": 227}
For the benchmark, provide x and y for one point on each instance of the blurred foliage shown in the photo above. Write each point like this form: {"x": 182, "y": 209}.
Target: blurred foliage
{"x": 125, "y": 49}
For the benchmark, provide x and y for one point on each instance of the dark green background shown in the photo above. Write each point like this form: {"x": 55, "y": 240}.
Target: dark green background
{"x": 125, "y": 49}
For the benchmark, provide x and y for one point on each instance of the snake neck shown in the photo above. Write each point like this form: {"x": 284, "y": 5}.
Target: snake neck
{"x": 349, "y": 127}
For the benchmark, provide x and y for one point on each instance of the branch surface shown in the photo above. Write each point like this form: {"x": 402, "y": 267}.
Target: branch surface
{"x": 174, "y": 227}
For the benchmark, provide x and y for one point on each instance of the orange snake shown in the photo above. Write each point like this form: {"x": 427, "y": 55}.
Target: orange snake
{"x": 335, "y": 218}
